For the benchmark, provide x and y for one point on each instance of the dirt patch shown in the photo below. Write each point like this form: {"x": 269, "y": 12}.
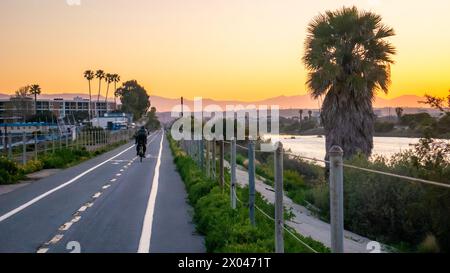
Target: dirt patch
{"x": 42, "y": 174}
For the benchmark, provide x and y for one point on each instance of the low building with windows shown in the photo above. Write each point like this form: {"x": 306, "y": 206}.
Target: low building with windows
{"x": 26, "y": 127}
{"x": 60, "y": 107}
{"x": 113, "y": 121}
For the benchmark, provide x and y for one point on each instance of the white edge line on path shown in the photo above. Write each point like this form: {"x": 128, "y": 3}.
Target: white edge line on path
{"x": 36, "y": 199}
{"x": 146, "y": 234}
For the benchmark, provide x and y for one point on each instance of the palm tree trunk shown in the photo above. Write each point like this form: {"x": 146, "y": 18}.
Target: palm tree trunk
{"x": 98, "y": 98}
{"x": 35, "y": 104}
{"x": 348, "y": 123}
{"x": 106, "y": 99}
{"x": 90, "y": 101}
{"x": 115, "y": 97}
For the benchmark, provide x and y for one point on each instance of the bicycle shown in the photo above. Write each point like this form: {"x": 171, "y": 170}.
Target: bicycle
{"x": 141, "y": 152}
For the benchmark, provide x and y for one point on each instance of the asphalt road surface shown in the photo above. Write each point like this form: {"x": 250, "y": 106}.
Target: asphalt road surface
{"x": 112, "y": 203}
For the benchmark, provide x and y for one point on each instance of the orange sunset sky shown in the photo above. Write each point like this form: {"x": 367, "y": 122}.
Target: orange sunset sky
{"x": 221, "y": 49}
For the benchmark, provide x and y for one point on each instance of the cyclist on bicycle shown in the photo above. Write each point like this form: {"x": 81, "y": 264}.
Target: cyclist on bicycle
{"x": 141, "y": 139}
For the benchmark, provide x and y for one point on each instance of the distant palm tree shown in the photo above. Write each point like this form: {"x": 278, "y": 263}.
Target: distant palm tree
{"x": 348, "y": 60}
{"x": 100, "y": 75}
{"x": 116, "y": 81}
{"x": 300, "y": 112}
{"x": 35, "y": 90}
{"x": 399, "y": 112}
{"x": 309, "y": 114}
{"x": 89, "y": 76}
{"x": 109, "y": 79}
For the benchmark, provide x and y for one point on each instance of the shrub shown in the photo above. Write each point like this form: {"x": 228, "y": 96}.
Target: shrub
{"x": 380, "y": 207}
{"x": 225, "y": 229}
{"x": 9, "y": 171}
{"x": 33, "y": 166}
{"x": 429, "y": 245}
{"x": 383, "y": 127}
{"x": 63, "y": 158}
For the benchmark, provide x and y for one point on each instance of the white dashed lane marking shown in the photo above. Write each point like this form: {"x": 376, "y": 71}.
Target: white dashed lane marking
{"x": 77, "y": 215}
{"x": 56, "y": 239}
{"x": 66, "y": 226}
{"x": 97, "y": 195}
{"x": 42, "y": 250}
{"x": 42, "y": 196}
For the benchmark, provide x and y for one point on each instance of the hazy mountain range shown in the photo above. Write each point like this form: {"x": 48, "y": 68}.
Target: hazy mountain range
{"x": 287, "y": 102}
{"x": 163, "y": 104}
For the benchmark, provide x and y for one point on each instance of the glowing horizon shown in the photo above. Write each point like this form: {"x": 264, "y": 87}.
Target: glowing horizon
{"x": 219, "y": 49}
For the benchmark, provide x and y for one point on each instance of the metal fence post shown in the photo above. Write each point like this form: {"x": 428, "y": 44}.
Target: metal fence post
{"x": 336, "y": 199}
{"x": 35, "y": 147}
{"x": 53, "y": 143}
{"x": 45, "y": 145}
{"x": 251, "y": 180}
{"x": 233, "y": 173}
{"x": 202, "y": 155}
{"x": 279, "y": 210}
{"x": 208, "y": 162}
{"x": 213, "y": 158}
{"x": 10, "y": 140}
{"x": 4, "y": 141}
{"x": 77, "y": 140}
{"x": 197, "y": 152}
{"x": 24, "y": 148}
{"x": 221, "y": 163}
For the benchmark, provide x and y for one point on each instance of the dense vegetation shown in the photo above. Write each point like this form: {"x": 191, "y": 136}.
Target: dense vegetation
{"x": 225, "y": 229}
{"x": 11, "y": 172}
{"x": 134, "y": 99}
{"x": 409, "y": 216}
{"x": 152, "y": 122}
{"x": 407, "y": 125}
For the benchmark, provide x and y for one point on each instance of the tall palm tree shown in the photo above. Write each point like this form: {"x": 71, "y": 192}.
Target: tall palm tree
{"x": 89, "y": 76}
{"x": 100, "y": 75}
{"x": 349, "y": 60}
{"x": 35, "y": 90}
{"x": 109, "y": 79}
{"x": 399, "y": 112}
{"x": 116, "y": 81}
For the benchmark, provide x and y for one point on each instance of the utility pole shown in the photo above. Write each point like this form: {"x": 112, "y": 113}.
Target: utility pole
{"x": 221, "y": 163}
{"x": 251, "y": 181}
{"x": 182, "y": 107}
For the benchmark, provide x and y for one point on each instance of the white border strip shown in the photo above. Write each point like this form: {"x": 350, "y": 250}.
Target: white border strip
{"x": 36, "y": 199}
{"x": 146, "y": 234}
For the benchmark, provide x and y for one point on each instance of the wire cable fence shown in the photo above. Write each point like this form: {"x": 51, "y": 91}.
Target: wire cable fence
{"x": 286, "y": 228}
{"x": 208, "y": 156}
{"x": 22, "y": 147}
{"x": 335, "y": 166}
{"x": 411, "y": 179}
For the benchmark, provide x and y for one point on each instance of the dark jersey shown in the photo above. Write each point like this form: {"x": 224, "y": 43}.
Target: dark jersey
{"x": 141, "y": 137}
